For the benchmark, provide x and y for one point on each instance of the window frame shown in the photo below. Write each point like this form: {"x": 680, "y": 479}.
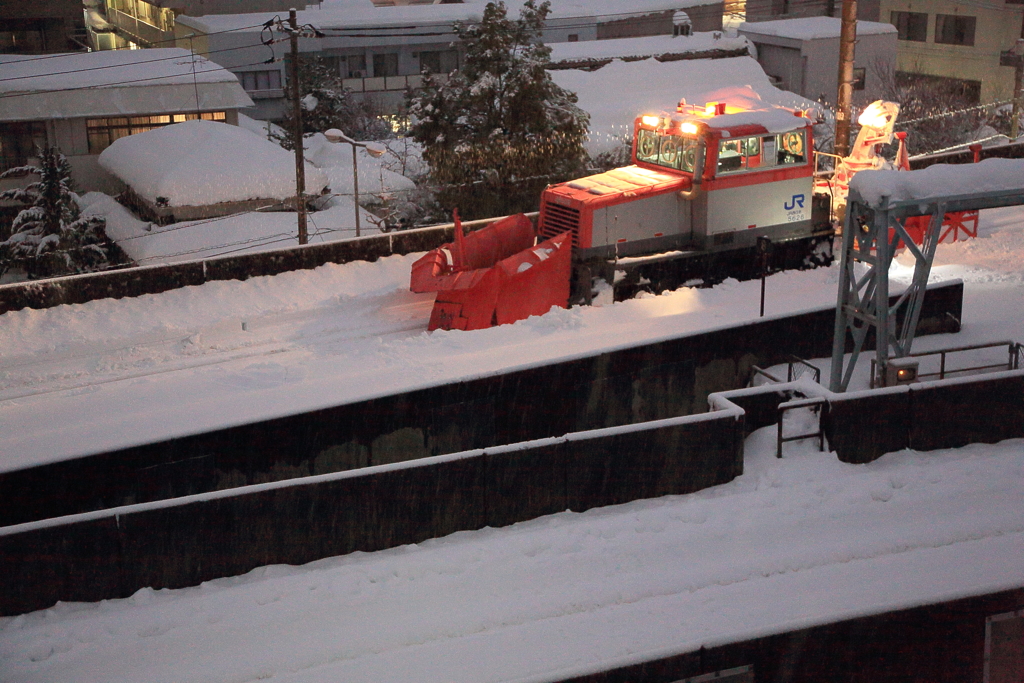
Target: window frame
{"x": 101, "y": 132}
{"x": 959, "y": 24}
{"x": 902, "y": 20}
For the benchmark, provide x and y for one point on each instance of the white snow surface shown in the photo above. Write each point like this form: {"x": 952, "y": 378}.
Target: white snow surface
{"x": 939, "y": 180}
{"x": 206, "y": 162}
{"x": 653, "y": 86}
{"x": 812, "y": 28}
{"x": 791, "y": 543}
{"x": 646, "y": 46}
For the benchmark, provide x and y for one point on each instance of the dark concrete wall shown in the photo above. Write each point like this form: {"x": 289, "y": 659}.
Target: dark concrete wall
{"x": 941, "y": 643}
{"x": 188, "y": 542}
{"x": 864, "y": 426}
{"x": 648, "y": 382}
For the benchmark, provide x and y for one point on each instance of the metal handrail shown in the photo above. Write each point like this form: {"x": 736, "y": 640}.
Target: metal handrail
{"x": 816, "y": 401}
{"x": 796, "y": 360}
{"x": 761, "y": 371}
{"x": 1015, "y": 352}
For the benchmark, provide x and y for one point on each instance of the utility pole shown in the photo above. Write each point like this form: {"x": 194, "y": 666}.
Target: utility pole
{"x": 844, "y": 100}
{"x": 1018, "y": 76}
{"x": 300, "y": 160}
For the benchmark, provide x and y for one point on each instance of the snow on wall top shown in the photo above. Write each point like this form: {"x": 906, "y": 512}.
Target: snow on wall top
{"x": 114, "y": 82}
{"x": 206, "y": 162}
{"x": 650, "y": 85}
{"x": 940, "y": 180}
{"x": 353, "y": 13}
{"x": 646, "y": 46}
{"x": 812, "y": 28}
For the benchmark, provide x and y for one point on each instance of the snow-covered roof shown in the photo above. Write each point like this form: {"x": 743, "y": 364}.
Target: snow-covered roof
{"x": 650, "y": 85}
{"x": 362, "y": 13}
{"x": 939, "y": 180}
{"x": 114, "y": 82}
{"x": 206, "y": 162}
{"x": 647, "y": 46}
{"x": 812, "y": 28}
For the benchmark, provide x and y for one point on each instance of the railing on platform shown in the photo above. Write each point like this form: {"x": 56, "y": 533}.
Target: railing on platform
{"x": 814, "y": 403}
{"x": 1015, "y": 355}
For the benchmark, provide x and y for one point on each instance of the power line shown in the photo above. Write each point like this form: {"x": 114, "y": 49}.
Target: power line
{"x": 141, "y": 80}
{"x": 116, "y": 49}
{"x": 127, "y": 65}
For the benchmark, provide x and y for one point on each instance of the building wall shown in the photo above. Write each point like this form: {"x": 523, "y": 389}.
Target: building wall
{"x": 40, "y": 26}
{"x": 703, "y": 18}
{"x": 998, "y": 24}
{"x": 764, "y": 10}
{"x": 811, "y": 67}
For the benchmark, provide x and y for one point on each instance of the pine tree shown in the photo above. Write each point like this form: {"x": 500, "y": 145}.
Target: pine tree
{"x": 50, "y": 237}
{"x": 497, "y": 130}
{"x": 330, "y": 106}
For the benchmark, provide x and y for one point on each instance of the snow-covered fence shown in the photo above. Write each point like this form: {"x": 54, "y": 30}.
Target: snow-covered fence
{"x": 183, "y": 542}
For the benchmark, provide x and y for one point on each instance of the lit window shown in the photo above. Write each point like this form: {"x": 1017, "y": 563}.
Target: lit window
{"x": 102, "y": 132}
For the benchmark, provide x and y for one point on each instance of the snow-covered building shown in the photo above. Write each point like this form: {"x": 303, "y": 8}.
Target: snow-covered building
{"x": 380, "y": 52}
{"x": 802, "y": 55}
{"x": 203, "y": 169}
{"x": 595, "y": 54}
{"x": 82, "y": 102}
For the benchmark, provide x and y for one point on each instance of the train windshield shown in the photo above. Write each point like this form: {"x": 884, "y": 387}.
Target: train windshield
{"x": 664, "y": 149}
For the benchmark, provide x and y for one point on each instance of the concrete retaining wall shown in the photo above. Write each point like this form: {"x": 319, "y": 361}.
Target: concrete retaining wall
{"x": 649, "y": 382}
{"x": 180, "y": 543}
{"x": 863, "y": 426}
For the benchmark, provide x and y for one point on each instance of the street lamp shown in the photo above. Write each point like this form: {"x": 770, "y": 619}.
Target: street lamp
{"x": 375, "y": 150}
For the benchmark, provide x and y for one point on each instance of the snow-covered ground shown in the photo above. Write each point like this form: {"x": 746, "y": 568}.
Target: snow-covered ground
{"x": 791, "y": 543}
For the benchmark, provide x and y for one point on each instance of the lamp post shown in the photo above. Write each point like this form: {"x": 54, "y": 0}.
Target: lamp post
{"x": 375, "y": 150}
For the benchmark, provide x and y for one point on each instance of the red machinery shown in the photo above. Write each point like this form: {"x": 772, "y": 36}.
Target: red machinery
{"x": 494, "y": 275}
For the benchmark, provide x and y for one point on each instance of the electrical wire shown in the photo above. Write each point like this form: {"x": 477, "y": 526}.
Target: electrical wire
{"x": 128, "y": 65}
{"x": 141, "y": 80}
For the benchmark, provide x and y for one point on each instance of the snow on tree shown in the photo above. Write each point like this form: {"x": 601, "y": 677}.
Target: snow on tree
{"x": 328, "y": 104}
{"x": 497, "y": 130}
{"x": 50, "y": 237}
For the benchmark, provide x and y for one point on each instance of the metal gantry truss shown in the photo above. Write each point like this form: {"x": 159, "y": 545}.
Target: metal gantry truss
{"x": 871, "y": 234}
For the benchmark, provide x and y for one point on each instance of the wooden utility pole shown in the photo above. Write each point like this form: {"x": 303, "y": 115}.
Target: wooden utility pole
{"x": 300, "y": 160}
{"x": 844, "y": 101}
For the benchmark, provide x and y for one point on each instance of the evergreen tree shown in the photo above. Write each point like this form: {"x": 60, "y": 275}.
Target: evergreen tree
{"x": 50, "y": 237}
{"x": 496, "y": 131}
{"x": 328, "y": 104}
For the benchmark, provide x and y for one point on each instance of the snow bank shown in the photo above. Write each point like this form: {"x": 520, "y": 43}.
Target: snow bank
{"x": 646, "y": 46}
{"x": 939, "y": 180}
{"x": 812, "y": 28}
{"x": 650, "y": 85}
{"x": 206, "y": 162}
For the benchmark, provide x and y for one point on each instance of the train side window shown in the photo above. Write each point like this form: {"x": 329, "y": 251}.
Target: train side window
{"x": 739, "y": 154}
{"x": 792, "y": 148}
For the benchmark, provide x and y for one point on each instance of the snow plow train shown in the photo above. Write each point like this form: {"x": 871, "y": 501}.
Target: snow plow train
{"x": 715, "y": 191}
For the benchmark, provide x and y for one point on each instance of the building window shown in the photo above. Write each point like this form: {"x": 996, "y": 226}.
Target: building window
{"x": 952, "y": 29}
{"x": 574, "y": 37}
{"x": 19, "y": 141}
{"x": 386, "y": 64}
{"x": 103, "y": 132}
{"x": 354, "y": 66}
{"x": 910, "y": 25}
{"x": 439, "y": 62}
{"x": 261, "y": 80}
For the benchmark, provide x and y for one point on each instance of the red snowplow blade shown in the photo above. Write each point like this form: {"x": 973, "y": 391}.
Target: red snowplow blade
{"x": 503, "y": 277}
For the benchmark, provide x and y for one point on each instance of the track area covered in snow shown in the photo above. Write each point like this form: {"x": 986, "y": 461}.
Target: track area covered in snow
{"x": 791, "y": 543}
